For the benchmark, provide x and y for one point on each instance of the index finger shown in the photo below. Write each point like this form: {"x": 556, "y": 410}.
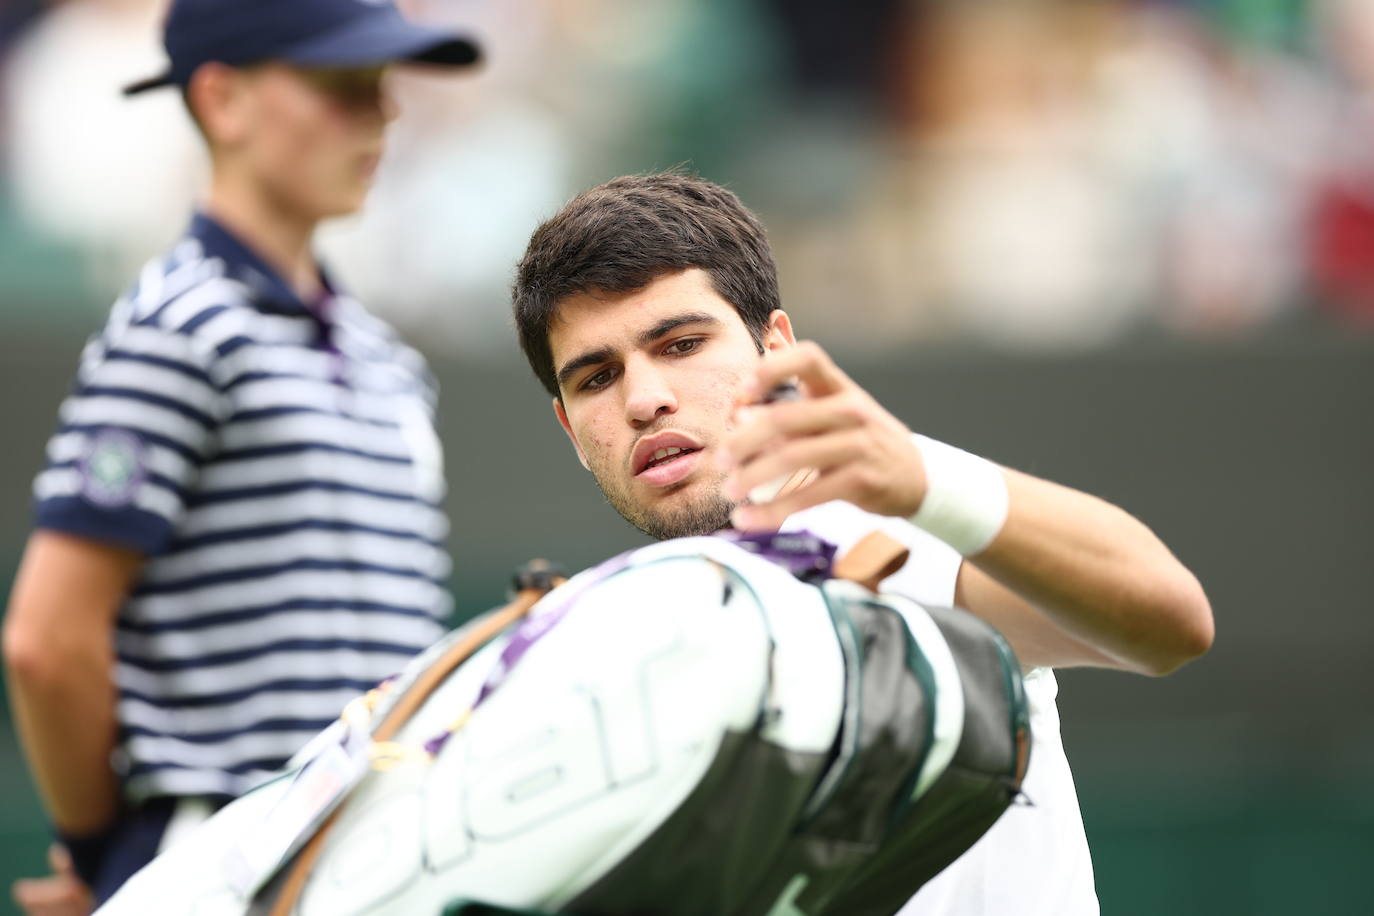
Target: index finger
{"x": 807, "y": 362}
{"x": 760, "y": 426}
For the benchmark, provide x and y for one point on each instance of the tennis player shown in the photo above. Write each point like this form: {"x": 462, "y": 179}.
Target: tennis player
{"x": 648, "y": 307}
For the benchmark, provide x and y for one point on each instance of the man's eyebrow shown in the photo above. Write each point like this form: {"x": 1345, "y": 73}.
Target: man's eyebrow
{"x": 590, "y": 358}
{"x": 606, "y": 354}
{"x": 670, "y": 324}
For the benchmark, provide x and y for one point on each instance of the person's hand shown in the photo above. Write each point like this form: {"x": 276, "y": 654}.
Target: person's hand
{"x": 60, "y": 894}
{"x": 856, "y": 450}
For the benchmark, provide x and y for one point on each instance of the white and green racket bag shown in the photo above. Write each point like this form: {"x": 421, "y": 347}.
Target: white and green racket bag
{"x": 709, "y": 726}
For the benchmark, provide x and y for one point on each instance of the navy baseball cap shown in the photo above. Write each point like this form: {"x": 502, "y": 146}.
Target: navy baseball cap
{"x": 310, "y": 33}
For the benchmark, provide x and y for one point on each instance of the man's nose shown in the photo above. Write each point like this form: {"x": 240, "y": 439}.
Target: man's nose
{"x": 648, "y": 394}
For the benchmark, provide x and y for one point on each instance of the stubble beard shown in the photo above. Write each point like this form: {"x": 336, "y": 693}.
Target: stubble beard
{"x": 706, "y": 514}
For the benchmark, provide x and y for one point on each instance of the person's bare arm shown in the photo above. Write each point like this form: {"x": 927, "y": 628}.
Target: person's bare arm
{"x": 1069, "y": 579}
{"x": 59, "y": 662}
{"x": 1112, "y": 593}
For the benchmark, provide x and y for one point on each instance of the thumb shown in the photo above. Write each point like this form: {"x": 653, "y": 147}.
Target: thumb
{"x": 59, "y": 859}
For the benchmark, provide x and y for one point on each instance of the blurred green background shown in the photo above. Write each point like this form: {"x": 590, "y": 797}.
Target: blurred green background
{"x": 1124, "y": 245}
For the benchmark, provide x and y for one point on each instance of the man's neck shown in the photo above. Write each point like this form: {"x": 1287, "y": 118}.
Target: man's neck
{"x": 281, "y": 238}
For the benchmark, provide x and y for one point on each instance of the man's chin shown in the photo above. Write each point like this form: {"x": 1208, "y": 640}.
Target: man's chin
{"x": 704, "y": 516}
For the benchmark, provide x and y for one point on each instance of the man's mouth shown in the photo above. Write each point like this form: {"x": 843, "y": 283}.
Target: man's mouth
{"x": 666, "y": 456}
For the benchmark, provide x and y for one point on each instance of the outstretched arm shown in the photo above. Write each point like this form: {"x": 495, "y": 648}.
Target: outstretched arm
{"x": 1069, "y": 579}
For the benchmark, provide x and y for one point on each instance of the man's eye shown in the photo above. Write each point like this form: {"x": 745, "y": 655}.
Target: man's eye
{"x": 685, "y": 346}
{"x": 600, "y": 380}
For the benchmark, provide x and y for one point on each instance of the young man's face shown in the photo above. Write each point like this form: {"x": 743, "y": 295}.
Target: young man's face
{"x": 313, "y": 138}
{"x": 651, "y": 371}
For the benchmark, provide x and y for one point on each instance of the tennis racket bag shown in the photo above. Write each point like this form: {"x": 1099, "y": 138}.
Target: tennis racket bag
{"x": 701, "y": 726}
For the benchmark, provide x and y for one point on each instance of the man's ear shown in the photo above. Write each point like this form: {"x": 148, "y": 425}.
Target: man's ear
{"x": 777, "y": 334}
{"x": 567, "y": 428}
{"x": 217, "y": 101}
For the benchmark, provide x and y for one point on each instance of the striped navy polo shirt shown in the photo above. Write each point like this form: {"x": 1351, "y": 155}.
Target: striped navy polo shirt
{"x": 278, "y": 467}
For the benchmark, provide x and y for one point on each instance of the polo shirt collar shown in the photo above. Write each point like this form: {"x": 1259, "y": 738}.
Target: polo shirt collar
{"x": 271, "y": 292}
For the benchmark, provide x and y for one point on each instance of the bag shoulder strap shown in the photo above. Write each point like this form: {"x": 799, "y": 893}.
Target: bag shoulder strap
{"x": 536, "y": 580}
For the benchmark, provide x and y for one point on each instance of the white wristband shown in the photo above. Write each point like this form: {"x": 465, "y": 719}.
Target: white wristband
{"x": 966, "y": 497}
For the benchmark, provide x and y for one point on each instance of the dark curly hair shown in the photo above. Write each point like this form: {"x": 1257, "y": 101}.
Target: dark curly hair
{"x": 620, "y": 236}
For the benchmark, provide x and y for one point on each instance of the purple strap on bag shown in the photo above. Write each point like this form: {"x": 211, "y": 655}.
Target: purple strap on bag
{"x": 801, "y": 553}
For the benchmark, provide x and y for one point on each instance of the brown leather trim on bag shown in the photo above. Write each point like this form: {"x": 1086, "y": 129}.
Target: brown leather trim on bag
{"x": 483, "y": 631}
{"x": 871, "y": 560}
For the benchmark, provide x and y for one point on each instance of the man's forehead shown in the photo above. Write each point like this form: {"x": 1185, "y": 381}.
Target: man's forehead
{"x": 617, "y": 320}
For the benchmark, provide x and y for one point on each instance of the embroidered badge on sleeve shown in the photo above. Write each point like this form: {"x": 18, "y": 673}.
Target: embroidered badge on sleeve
{"x": 113, "y": 468}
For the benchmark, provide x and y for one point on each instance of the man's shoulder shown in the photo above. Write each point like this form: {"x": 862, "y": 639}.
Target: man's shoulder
{"x": 183, "y": 274}
{"x": 184, "y": 299}
{"x": 191, "y": 304}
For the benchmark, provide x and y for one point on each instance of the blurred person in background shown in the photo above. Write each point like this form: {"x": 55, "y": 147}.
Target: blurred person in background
{"x": 648, "y": 308}
{"x": 239, "y": 525}
{"x": 1340, "y": 244}
{"x": 1059, "y": 176}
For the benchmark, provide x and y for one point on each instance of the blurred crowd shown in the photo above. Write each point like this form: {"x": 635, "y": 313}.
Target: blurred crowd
{"x": 1031, "y": 174}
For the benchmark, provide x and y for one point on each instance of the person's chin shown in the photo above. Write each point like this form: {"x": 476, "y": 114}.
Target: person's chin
{"x": 348, "y": 204}
{"x": 686, "y": 512}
